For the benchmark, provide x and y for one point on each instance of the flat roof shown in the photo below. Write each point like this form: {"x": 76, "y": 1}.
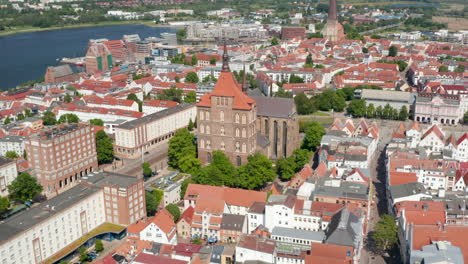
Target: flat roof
{"x": 109, "y": 179}
{"x": 37, "y": 214}
{"x": 297, "y": 233}
{"x": 155, "y": 116}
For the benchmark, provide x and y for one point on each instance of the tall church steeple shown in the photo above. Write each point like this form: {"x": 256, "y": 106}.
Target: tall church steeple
{"x": 225, "y": 67}
{"x": 332, "y": 11}
{"x": 245, "y": 87}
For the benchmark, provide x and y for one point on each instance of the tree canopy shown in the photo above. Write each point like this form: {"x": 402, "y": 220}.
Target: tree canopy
{"x": 174, "y": 210}
{"x": 96, "y": 122}
{"x": 24, "y": 187}
{"x": 191, "y": 97}
{"x": 68, "y": 118}
{"x": 287, "y": 167}
{"x": 274, "y": 41}
{"x": 104, "y": 147}
{"x": 11, "y": 154}
{"x": 49, "y": 119}
{"x": 385, "y": 234}
{"x": 146, "y": 169}
{"x": 191, "y": 77}
{"x": 313, "y": 136}
{"x": 4, "y": 204}
{"x": 392, "y": 51}
{"x": 182, "y": 147}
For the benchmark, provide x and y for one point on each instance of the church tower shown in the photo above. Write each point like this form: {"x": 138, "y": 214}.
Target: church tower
{"x": 333, "y": 30}
{"x": 226, "y": 120}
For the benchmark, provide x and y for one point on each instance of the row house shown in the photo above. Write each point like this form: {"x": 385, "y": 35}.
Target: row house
{"x": 238, "y": 201}
{"x": 110, "y": 103}
{"x": 159, "y": 229}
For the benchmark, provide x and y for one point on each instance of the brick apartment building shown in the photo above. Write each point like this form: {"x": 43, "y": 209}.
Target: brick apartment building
{"x": 98, "y": 58}
{"x": 292, "y": 32}
{"x": 62, "y": 73}
{"x": 61, "y": 155}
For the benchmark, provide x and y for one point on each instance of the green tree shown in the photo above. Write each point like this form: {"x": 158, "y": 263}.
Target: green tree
{"x": 256, "y": 172}
{"x": 460, "y": 68}
{"x": 190, "y": 125}
{"x": 194, "y": 60}
{"x": 443, "y": 68}
{"x": 304, "y": 105}
{"x": 96, "y": 122}
{"x": 313, "y": 136}
{"x": 83, "y": 254}
{"x": 385, "y": 234}
{"x": 196, "y": 241}
{"x": 67, "y": 98}
{"x": 183, "y": 187}
{"x": 28, "y": 113}
{"x": 174, "y": 210}
{"x": 171, "y": 94}
{"x": 209, "y": 175}
{"x": 68, "y": 118}
{"x": 365, "y": 50}
{"x": 11, "y": 154}
{"x": 104, "y": 147}
{"x": 309, "y": 62}
{"x": 213, "y": 60}
{"x": 392, "y": 51}
{"x": 4, "y": 204}
{"x": 285, "y": 168}
{"x": 191, "y": 77}
{"x": 133, "y": 97}
{"x": 387, "y": 112}
{"x": 7, "y": 120}
{"x": 284, "y": 94}
{"x": 274, "y": 41}
{"x": 181, "y": 34}
{"x": 146, "y": 169}
{"x": 98, "y": 245}
{"x": 295, "y": 79}
{"x": 151, "y": 203}
{"x": 191, "y": 97}
{"x": 465, "y": 118}
{"x": 182, "y": 144}
{"x": 370, "y": 111}
{"x": 403, "y": 115}
{"x": 20, "y": 116}
{"x": 379, "y": 112}
{"x": 24, "y": 187}
{"x": 189, "y": 164}
{"x": 357, "y": 108}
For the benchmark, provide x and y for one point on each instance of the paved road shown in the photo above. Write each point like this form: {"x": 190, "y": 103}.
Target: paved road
{"x": 381, "y": 28}
{"x": 156, "y": 157}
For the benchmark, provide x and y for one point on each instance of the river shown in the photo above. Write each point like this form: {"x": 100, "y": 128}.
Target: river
{"x": 25, "y": 56}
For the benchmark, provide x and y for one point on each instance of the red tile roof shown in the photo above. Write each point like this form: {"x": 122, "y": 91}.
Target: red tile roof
{"x": 228, "y": 86}
{"x": 187, "y": 215}
{"x": 397, "y": 178}
{"x": 426, "y": 234}
{"x": 159, "y": 103}
{"x": 255, "y": 243}
{"x": 231, "y": 196}
{"x": 152, "y": 259}
{"x": 330, "y": 254}
{"x": 212, "y": 206}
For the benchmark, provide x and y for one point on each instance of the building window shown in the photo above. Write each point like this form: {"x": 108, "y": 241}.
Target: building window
{"x": 285, "y": 138}
{"x": 222, "y": 145}
{"x": 244, "y": 119}
{"x": 208, "y": 157}
{"x": 237, "y": 147}
{"x": 275, "y": 138}
{"x": 202, "y": 144}
{"x": 221, "y": 116}
{"x": 202, "y": 129}
{"x": 237, "y": 118}
{"x": 222, "y": 130}
{"x": 244, "y": 148}
{"x": 267, "y": 129}
{"x": 207, "y": 115}
{"x": 208, "y": 129}
{"x": 208, "y": 144}
{"x": 244, "y": 132}
{"x": 237, "y": 132}
{"x": 202, "y": 115}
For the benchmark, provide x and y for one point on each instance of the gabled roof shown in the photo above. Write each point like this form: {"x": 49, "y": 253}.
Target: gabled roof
{"x": 212, "y": 206}
{"x": 436, "y": 130}
{"x": 231, "y": 196}
{"x": 462, "y": 138}
{"x": 187, "y": 215}
{"x": 329, "y": 254}
{"x": 164, "y": 220}
{"x": 344, "y": 229}
{"x": 228, "y": 86}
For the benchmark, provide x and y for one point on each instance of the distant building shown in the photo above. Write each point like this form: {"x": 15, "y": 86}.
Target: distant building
{"x": 134, "y": 137}
{"x": 293, "y": 32}
{"x": 60, "y": 156}
{"x": 333, "y": 30}
{"x": 59, "y": 74}
{"x": 98, "y": 58}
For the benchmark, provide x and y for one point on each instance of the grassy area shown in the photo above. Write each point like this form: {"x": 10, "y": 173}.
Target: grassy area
{"x": 104, "y": 228}
{"x": 386, "y": 3}
{"x": 16, "y": 30}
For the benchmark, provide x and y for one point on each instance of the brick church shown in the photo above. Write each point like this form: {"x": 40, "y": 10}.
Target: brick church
{"x": 241, "y": 125}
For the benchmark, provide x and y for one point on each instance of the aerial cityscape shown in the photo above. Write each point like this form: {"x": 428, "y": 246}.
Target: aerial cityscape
{"x": 225, "y": 132}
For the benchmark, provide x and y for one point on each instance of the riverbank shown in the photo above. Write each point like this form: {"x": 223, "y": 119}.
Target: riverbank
{"x": 18, "y": 30}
